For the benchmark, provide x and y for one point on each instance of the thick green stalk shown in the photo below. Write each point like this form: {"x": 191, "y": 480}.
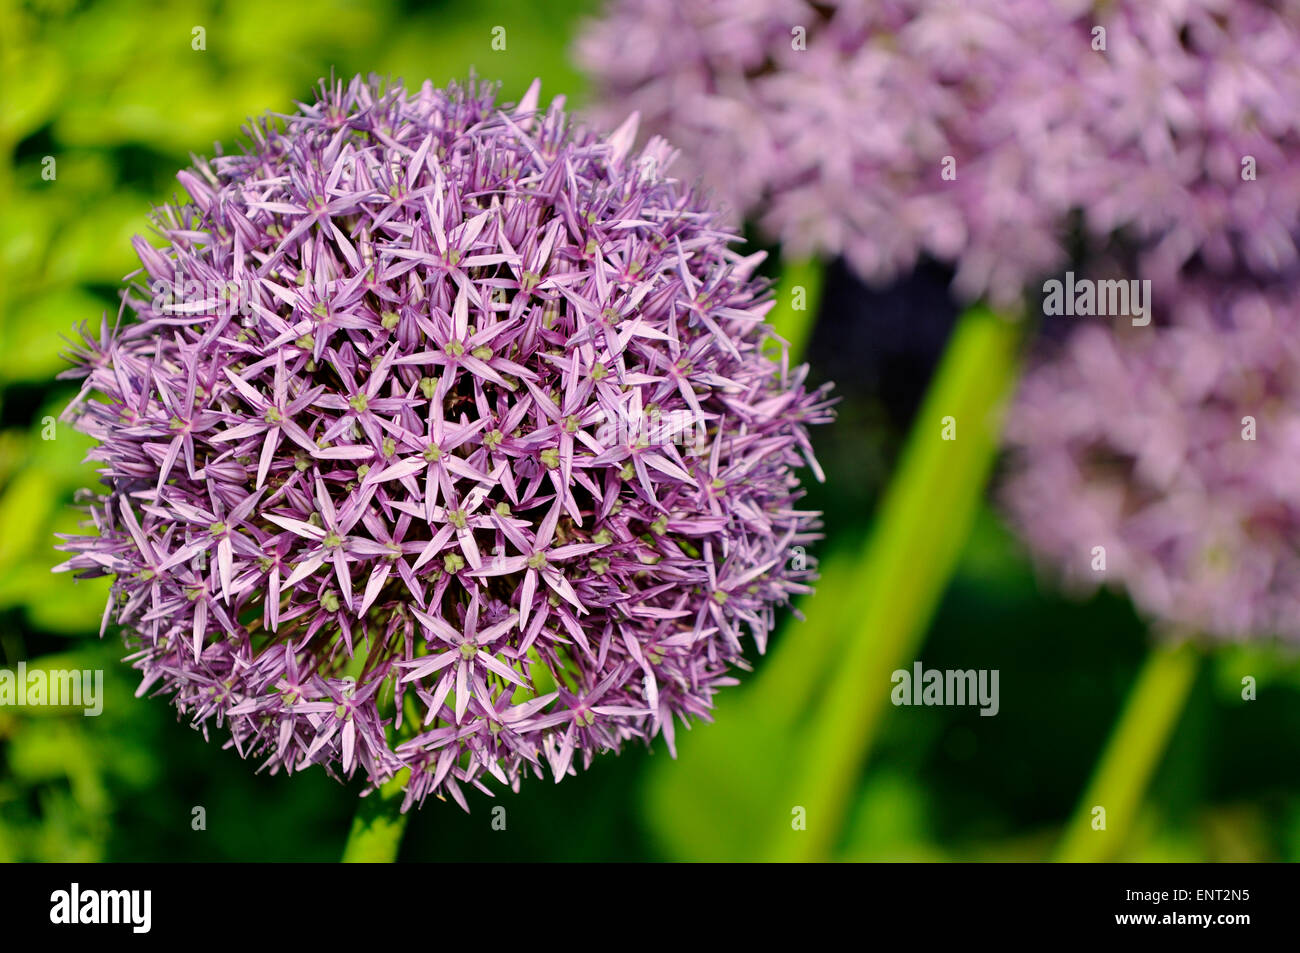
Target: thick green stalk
{"x": 902, "y": 573}
{"x": 1135, "y": 748}
{"x": 378, "y": 826}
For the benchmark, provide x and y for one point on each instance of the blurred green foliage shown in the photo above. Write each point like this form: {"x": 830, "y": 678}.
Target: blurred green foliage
{"x": 115, "y": 94}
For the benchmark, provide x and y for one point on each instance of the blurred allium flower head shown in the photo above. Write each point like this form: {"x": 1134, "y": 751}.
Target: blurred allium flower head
{"x": 472, "y": 465}
{"x": 1177, "y": 449}
{"x": 838, "y": 147}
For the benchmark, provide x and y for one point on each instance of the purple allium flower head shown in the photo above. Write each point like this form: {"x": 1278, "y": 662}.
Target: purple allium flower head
{"x": 1177, "y": 449}
{"x": 838, "y": 147}
{"x": 471, "y": 464}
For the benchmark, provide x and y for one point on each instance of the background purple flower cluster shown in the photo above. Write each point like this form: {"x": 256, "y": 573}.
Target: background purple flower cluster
{"x": 1177, "y": 450}
{"x": 829, "y": 123}
{"x": 475, "y": 467}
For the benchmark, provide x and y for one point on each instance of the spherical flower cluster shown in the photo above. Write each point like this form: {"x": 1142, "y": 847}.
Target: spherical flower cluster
{"x": 1176, "y": 450}
{"x": 975, "y": 131}
{"x": 443, "y": 440}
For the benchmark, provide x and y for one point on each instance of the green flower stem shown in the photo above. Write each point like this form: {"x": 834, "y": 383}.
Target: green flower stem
{"x": 1135, "y": 748}
{"x": 910, "y": 554}
{"x": 799, "y": 280}
{"x": 378, "y": 826}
